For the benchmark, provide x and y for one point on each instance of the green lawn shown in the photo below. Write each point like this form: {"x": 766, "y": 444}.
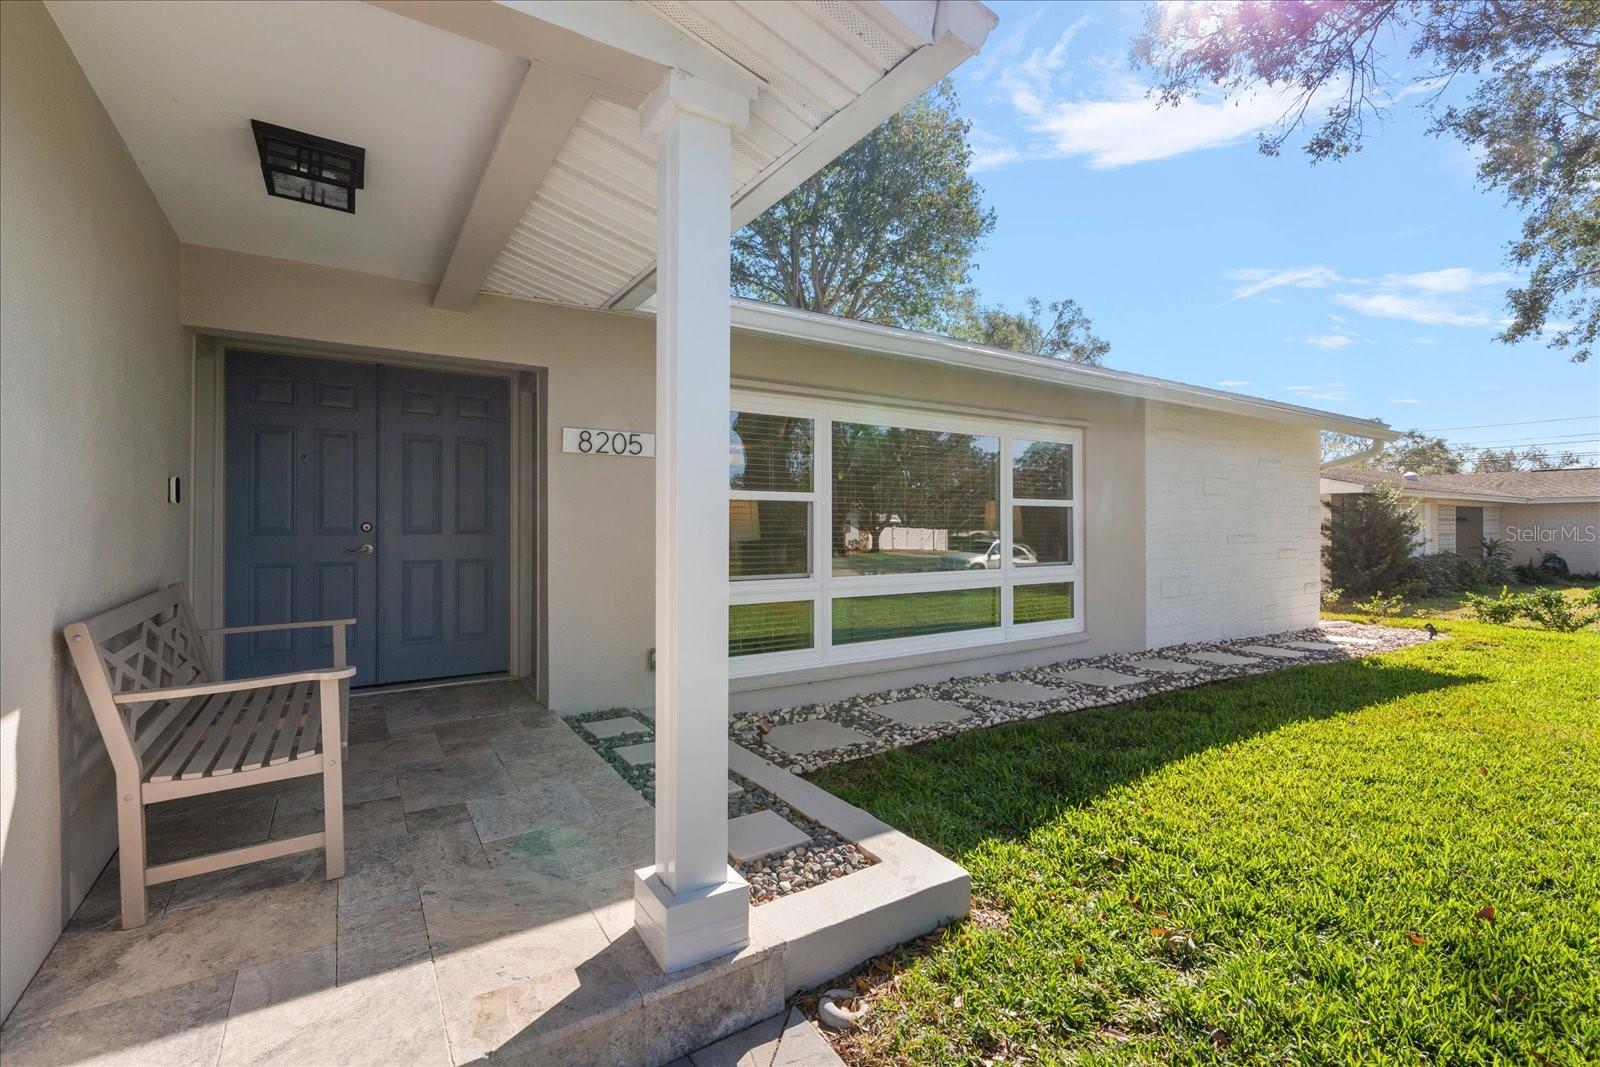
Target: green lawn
{"x": 1389, "y": 860}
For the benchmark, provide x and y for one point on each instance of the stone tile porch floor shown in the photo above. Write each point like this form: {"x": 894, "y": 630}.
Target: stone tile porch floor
{"x": 486, "y": 911}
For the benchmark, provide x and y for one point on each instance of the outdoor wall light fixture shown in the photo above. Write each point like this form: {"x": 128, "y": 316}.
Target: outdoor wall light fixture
{"x": 312, "y": 170}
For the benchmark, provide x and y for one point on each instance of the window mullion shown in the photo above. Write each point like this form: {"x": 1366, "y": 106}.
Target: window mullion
{"x": 822, "y": 531}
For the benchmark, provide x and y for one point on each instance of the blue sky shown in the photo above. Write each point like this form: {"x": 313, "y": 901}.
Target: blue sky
{"x": 1371, "y": 286}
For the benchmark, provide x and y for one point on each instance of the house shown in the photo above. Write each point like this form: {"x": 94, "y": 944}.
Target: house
{"x": 1532, "y": 512}
{"x": 443, "y": 343}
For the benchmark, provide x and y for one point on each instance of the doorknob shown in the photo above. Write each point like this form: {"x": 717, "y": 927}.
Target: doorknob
{"x": 364, "y": 550}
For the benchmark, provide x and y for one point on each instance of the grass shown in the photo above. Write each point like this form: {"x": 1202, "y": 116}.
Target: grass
{"x": 1453, "y": 605}
{"x": 1393, "y": 860}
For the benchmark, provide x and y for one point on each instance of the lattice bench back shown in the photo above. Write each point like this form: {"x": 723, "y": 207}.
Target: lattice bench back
{"x": 151, "y": 643}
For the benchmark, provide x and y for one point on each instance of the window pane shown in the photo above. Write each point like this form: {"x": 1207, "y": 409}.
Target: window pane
{"x": 1041, "y": 603}
{"x": 911, "y": 501}
{"x": 768, "y": 538}
{"x": 1041, "y": 470}
{"x": 878, "y": 618}
{"x": 1040, "y": 535}
{"x": 770, "y": 453}
{"x": 757, "y": 628}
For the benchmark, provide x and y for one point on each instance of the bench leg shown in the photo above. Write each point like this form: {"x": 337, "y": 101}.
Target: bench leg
{"x": 131, "y": 856}
{"x": 332, "y": 777}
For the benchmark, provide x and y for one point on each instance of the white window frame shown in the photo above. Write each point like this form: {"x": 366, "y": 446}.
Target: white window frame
{"x": 822, "y": 586}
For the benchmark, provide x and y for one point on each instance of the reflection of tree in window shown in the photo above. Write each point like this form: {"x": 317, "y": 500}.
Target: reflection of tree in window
{"x": 769, "y": 538}
{"x": 769, "y": 452}
{"x": 936, "y": 490}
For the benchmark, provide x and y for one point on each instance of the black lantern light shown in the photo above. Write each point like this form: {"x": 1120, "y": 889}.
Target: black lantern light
{"x": 313, "y": 170}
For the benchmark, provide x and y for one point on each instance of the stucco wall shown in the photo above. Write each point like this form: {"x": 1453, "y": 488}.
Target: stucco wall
{"x": 600, "y": 372}
{"x": 1571, "y": 531}
{"x": 94, "y": 416}
{"x": 1233, "y": 526}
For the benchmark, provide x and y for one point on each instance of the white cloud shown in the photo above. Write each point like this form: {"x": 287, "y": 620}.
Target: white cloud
{"x": 989, "y": 158}
{"x": 1331, "y": 393}
{"x": 1423, "y": 341}
{"x": 1404, "y": 400}
{"x": 1258, "y": 280}
{"x": 1448, "y": 280}
{"x": 1330, "y": 342}
{"x": 1234, "y": 383}
{"x": 1129, "y": 128}
{"x": 1411, "y": 307}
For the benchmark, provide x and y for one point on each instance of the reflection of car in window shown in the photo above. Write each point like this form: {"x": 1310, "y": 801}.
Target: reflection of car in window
{"x": 980, "y": 554}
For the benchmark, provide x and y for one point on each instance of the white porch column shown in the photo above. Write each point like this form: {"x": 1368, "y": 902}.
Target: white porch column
{"x": 692, "y": 906}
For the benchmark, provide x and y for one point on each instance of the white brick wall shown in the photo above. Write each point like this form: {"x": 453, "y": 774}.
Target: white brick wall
{"x": 1233, "y": 526}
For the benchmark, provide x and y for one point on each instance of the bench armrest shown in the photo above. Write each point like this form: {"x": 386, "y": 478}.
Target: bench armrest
{"x": 199, "y": 689}
{"x": 264, "y": 627}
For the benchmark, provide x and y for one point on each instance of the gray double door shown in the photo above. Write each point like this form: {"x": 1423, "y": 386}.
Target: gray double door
{"x": 366, "y": 491}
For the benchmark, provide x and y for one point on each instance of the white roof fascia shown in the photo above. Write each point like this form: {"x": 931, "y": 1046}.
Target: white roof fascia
{"x": 949, "y": 31}
{"x": 773, "y": 320}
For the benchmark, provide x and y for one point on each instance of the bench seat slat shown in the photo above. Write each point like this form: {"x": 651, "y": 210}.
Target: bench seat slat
{"x": 153, "y": 739}
{"x": 313, "y": 730}
{"x": 191, "y": 738}
{"x": 294, "y": 711}
{"x": 228, "y": 722}
{"x": 250, "y": 724}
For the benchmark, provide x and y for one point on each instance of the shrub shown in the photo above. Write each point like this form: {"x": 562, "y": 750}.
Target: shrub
{"x": 1444, "y": 572}
{"x": 1529, "y": 573}
{"x": 1550, "y": 609}
{"x": 1369, "y": 540}
{"x": 1331, "y": 597}
{"x": 1379, "y": 604}
{"x": 1501, "y": 609}
{"x": 1495, "y": 566}
{"x": 1553, "y": 565}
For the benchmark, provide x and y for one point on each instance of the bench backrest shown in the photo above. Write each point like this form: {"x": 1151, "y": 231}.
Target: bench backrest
{"x": 150, "y": 643}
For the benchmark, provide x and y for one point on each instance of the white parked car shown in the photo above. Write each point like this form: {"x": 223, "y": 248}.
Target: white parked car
{"x": 983, "y": 554}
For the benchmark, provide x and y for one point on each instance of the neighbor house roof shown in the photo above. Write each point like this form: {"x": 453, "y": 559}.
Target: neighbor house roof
{"x": 773, "y": 320}
{"x": 1557, "y": 486}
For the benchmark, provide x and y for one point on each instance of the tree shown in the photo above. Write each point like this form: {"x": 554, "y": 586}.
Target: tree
{"x": 1368, "y": 539}
{"x": 1069, "y": 335}
{"x": 1532, "y": 458}
{"x": 1532, "y": 119}
{"x": 1416, "y": 451}
{"x": 885, "y": 233}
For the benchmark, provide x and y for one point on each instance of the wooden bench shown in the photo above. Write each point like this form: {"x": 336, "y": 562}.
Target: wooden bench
{"x": 173, "y": 730}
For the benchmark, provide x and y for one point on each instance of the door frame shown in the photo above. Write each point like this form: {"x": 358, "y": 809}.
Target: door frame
{"x": 526, "y": 614}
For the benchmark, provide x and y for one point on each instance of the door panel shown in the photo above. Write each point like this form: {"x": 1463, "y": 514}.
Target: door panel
{"x": 444, "y": 559}
{"x": 302, "y": 457}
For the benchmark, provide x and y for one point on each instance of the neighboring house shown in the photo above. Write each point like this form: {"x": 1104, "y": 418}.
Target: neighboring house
{"x": 1533, "y": 512}
{"x": 489, "y": 412}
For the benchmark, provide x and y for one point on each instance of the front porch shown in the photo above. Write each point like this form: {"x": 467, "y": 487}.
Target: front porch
{"x": 487, "y": 910}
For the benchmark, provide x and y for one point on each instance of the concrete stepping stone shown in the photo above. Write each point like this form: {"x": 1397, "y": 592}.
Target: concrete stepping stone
{"x": 1018, "y": 692}
{"x": 1272, "y": 650}
{"x": 923, "y": 711}
{"x": 605, "y": 729}
{"x": 637, "y": 755}
{"x": 1099, "y": 676}
{"x": 734, "y": 788}
{"x": 751, "y": 837}
{"x": 1163, "y": 666}
{"x": 813, "y": 735}
{"x": 1226, "y": 659}
{"x": 1314, "y": 646}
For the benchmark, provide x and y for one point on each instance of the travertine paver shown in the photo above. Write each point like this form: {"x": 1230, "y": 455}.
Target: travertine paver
{"x": 1017, "y": 692}
{"x": 734, "y": 788}
{"x": 1272, "y": 651}
{"x": 813, "y": 735}
{"x": 1163, "y": 666}
{"x": 761, "y": 834}
{"x": 1100, "y": 676}
{"x": 921, "y": 711}
{"x": 1227, "y": 659}
{"x": 637, "y": 755}
{"x": 608, "y": 728}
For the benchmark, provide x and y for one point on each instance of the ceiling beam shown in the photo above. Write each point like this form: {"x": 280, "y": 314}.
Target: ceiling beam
{"x": 618, "y": 76}
{"x": 540, "y": 119}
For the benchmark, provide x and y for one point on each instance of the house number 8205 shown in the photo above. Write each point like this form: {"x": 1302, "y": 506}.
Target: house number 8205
{"x": 592, "y": 441}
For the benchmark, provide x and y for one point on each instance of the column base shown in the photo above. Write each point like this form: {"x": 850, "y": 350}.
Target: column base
{"x": 682, "y": 930}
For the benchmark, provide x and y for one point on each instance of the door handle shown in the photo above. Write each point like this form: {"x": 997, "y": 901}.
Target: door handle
{"x": 364, "y": 550}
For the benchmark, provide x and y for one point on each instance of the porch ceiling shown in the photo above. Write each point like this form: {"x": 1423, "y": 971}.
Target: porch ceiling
{"x": 503, "y": 140}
